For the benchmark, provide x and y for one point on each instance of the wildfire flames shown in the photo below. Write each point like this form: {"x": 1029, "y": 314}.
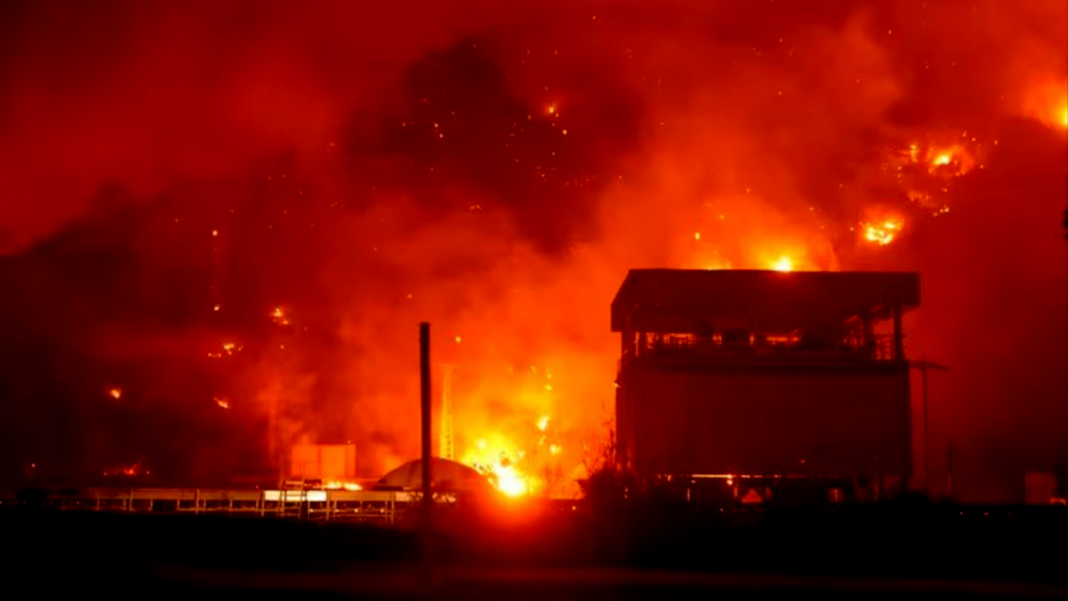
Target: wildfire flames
{"x": 228, "y": 350}
{"x": 784, "y": 263}
{"x": 262, "y": 220}
{"x": 498, "y": 462}
{"x": 882, "y": 233}
{"x": 518, "y": 464}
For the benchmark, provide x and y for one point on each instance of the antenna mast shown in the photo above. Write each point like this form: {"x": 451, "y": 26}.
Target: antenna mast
{"x": 446, "y": 447}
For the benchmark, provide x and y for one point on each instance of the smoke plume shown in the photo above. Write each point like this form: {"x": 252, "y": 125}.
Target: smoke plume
{"x": 236, "y": 215}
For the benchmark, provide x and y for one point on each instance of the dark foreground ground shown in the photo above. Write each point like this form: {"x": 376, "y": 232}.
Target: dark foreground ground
{"x": 639, "y": 553}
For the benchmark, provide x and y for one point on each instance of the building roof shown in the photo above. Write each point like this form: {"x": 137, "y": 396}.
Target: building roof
{"x": 677, "y": 300}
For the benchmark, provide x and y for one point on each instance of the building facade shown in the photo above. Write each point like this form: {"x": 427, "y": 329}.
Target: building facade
{"x": 764, "y": 374}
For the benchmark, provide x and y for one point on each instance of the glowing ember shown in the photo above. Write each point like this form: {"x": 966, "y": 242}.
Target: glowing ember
{"x": 134, "y": 469}
{"x": 551, "y": 109}
{"x": 228, "y": 349}
{"x": 543, "y": 422}
{"x": 458, "y": 340}
{"x": 784, "y": 264}
{"x": 216, "y": 307}
{"x": 279, "y": 316}
{"x": 115, "y": 393}
{"x": 555, "y": 449}
{"x": 882, "y": 233}
{"x": 697, "y": 235}
{"x": 222, "y": 402}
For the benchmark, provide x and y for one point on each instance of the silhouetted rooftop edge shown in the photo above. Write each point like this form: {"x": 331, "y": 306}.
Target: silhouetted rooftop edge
{"x": 770, "y": 298}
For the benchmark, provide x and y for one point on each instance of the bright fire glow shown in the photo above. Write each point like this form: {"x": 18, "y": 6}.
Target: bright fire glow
{"x": 499, "y": 459}
{"x": 945, "y": 160}
{"x": 953, "y": 160}
{"x": 510, "y": 482}
{"x": 1047, "y": 103}
{"x": 543, "y": 422}
{"x": 115, "y": 393}
{"x": 882, "y": 233}
{"x": 784, "y": 263}
{"x": 341, "y": 485}
{"x": 222, "y": 402}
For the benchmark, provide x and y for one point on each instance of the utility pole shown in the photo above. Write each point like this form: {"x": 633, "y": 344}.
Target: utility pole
{"x": 424, "y": 398}
{"x": 923, "y": 365}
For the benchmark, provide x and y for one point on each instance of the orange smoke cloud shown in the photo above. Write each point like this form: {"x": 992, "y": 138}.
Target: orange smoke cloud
{"x": 492, "y": 168}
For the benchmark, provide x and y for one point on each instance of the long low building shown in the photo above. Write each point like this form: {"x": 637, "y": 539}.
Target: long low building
{"x": 353, "y": 505}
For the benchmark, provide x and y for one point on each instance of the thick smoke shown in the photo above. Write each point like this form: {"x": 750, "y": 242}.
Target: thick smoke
{"x": 308, "y": 181}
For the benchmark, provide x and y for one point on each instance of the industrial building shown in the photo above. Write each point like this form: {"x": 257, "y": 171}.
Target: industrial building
{"x": 764, "y": 375}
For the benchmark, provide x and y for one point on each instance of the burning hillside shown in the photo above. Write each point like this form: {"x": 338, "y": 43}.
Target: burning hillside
{"x": 223, "y": 223}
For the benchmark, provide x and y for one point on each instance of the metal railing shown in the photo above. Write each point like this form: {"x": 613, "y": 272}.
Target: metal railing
{"x": 845, "y": 351}
{"x": 328, "y": 505}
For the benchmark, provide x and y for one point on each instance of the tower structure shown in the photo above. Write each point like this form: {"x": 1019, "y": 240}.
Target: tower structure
{"x": 445, "y": 441}
{"x": 778, "y": 376}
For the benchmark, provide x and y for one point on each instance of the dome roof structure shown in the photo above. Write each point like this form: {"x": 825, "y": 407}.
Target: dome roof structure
{"x": 445, "y": 476}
